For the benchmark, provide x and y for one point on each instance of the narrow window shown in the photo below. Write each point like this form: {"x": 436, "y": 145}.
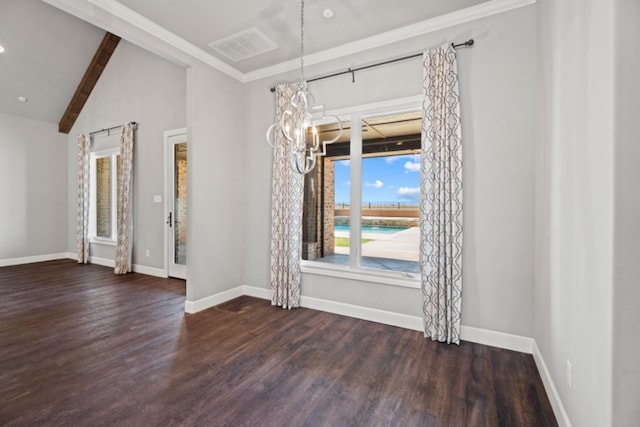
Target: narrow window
{"x": 104, "y": 167}
{"x": 103, "y": 197}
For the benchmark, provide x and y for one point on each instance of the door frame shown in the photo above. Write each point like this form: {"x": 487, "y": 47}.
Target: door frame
{"x": 168, "y": 191}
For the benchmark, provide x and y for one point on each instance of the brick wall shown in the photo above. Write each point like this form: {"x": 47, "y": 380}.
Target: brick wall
{"x": 318, "y": 211}
{"x": 103, "y": 197}
{"x": 181, "y": 201}
{"x": 329, "y": 206}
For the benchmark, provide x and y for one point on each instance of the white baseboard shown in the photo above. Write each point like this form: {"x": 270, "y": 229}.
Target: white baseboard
{"x": 31, "y": 259}
{"x": 497, "y": 339}
{"x": 253, "y": 291}
{"x": 150, "y": 271}
{"x": 552, "y": 392}
{"x": 467, "y": 333}
{"x": 210, "y": 301}
{"x": 102, "y": 261}
{"x": 137, "y": 268}
{"x": 364, "y": 313}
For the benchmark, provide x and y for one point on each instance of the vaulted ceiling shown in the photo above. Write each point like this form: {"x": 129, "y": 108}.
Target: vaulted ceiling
{"x": 47, "y": 50}
{"x": 46, "y": 54}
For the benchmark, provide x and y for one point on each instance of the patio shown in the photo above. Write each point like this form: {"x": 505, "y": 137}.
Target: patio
{"x": 393, "y": 252}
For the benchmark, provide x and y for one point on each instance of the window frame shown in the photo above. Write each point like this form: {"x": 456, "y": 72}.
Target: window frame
{"x": 113, "y": 153}
{"x": 355, "y": 270}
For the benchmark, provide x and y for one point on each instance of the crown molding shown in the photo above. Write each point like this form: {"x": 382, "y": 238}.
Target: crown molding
{"x": 462, "y": 16}
{"x": 141, "y": 22}
{"x": 137, "y": 29}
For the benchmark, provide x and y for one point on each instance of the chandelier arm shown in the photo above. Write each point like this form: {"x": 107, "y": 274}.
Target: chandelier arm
{"x": 309, "y": 162}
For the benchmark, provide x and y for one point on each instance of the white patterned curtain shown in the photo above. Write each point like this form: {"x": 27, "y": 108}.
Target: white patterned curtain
{"x": 286, "y": 216}
{"x": 125, "y": 202}
{"x": 441, "y": 197}
{"x": 82, "y": 220}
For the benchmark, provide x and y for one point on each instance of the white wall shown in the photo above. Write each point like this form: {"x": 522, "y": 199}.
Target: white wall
{"x": 33, "y": 188}
{"x": 497, "y": 85}
{"x": 626, "y": 304}
{"x": 217, "y": 179}
{"x": 574, "y": 204}
{"x": 135, "y": 86}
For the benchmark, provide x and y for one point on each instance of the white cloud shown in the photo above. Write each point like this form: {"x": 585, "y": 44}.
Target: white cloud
{"x": 412, "y": 193}
{"x": 344, "y": 162}
{"x": 376, "y": 184}
{"x": 410, "y": 157}
{"x": 391, "y": 159}
{"x": 412, "y": 166}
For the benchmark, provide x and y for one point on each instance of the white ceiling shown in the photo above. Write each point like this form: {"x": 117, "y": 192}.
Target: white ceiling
{"x": 46, "y": 54}
{"x": 48, "y": 50}
{"x": 202, "y": 22}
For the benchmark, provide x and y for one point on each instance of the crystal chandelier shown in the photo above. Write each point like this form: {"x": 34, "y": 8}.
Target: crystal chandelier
{"x": 301, "y": 140}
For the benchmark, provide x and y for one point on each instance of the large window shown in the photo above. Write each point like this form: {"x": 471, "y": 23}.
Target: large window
{"x": 362, "y": 200}
{"x": 103, "y": 172}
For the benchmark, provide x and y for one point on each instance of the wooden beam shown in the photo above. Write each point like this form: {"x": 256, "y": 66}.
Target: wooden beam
{"x": 88, "y": 82}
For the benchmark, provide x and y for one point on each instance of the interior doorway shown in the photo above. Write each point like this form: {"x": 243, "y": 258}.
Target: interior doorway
{"x": 176, "y": 202}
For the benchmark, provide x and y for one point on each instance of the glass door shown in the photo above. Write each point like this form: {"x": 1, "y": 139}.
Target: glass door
{"x": 176, "y": 220}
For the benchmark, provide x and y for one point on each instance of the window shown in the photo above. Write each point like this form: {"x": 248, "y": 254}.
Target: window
{"x": 361, "y": 202}
{"x": 103, "y": 174}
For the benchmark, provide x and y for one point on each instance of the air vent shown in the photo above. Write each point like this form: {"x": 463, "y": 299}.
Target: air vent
{"x": 243, "y": 45}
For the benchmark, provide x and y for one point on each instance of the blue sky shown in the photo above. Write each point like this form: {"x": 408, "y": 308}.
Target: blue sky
{"x": 384, "y": 179}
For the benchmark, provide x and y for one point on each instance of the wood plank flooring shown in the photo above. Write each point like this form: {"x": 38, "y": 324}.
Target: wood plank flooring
{"x": 80, "y": 346}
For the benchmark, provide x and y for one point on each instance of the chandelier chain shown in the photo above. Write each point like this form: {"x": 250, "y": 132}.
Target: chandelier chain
{"x": 302, "y": 41}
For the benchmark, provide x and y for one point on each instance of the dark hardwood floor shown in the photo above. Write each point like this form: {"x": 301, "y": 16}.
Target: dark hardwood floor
{"x": 80, "y": 346}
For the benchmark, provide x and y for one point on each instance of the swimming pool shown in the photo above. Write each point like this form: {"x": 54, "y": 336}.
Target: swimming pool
{"x": 379, "y": 229}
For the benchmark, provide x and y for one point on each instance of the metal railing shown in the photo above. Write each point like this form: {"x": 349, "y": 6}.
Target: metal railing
{"x": 381, "y": 205}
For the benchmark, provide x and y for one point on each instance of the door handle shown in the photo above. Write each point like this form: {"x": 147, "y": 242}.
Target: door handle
{"x": 170, "y": 220}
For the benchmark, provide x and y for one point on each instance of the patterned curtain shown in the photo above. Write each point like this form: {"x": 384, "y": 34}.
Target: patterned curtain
{"x": 286, "y": 216}
{"x": 125, "y": 202}
{"x": 82, "y": 221}
{"x": 441, "y": 197}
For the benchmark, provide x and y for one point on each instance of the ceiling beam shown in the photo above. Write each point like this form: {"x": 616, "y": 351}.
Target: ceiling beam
{"x": 88, "y": 82}
{"x": 380, "y": 145}
{"x": 373, "y": 128}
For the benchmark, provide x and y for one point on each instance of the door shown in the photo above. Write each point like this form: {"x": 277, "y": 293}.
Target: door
{"x": 176, "y": 202}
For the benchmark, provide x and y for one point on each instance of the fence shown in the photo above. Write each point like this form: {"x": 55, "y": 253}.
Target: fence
{"x": 381, "y": 205}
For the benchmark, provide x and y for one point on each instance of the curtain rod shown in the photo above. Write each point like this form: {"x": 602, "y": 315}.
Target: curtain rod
{"x": 352, "y": 71}
{"x": 108, "y": 130}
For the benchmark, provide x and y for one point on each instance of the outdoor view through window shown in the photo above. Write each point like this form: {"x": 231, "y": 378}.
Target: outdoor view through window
{"x": 104, "y": 170}
{"x": 389, "y": 176}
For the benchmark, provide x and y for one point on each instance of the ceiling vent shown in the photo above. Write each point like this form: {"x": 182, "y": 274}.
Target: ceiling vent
{"x": 243, "y": 45}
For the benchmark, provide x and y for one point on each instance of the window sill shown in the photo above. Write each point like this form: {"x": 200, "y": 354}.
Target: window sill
{"x": 102, "y": 241}
{"x": 406, "y": 280}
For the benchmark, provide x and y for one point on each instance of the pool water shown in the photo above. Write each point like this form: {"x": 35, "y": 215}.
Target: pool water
{"x": 379, "y": 229}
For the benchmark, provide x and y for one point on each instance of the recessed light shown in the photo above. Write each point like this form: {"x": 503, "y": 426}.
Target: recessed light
{"x": 1, "y": 48}
{"x": 22, "y": 99}
{"x": 327, "y": 13}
